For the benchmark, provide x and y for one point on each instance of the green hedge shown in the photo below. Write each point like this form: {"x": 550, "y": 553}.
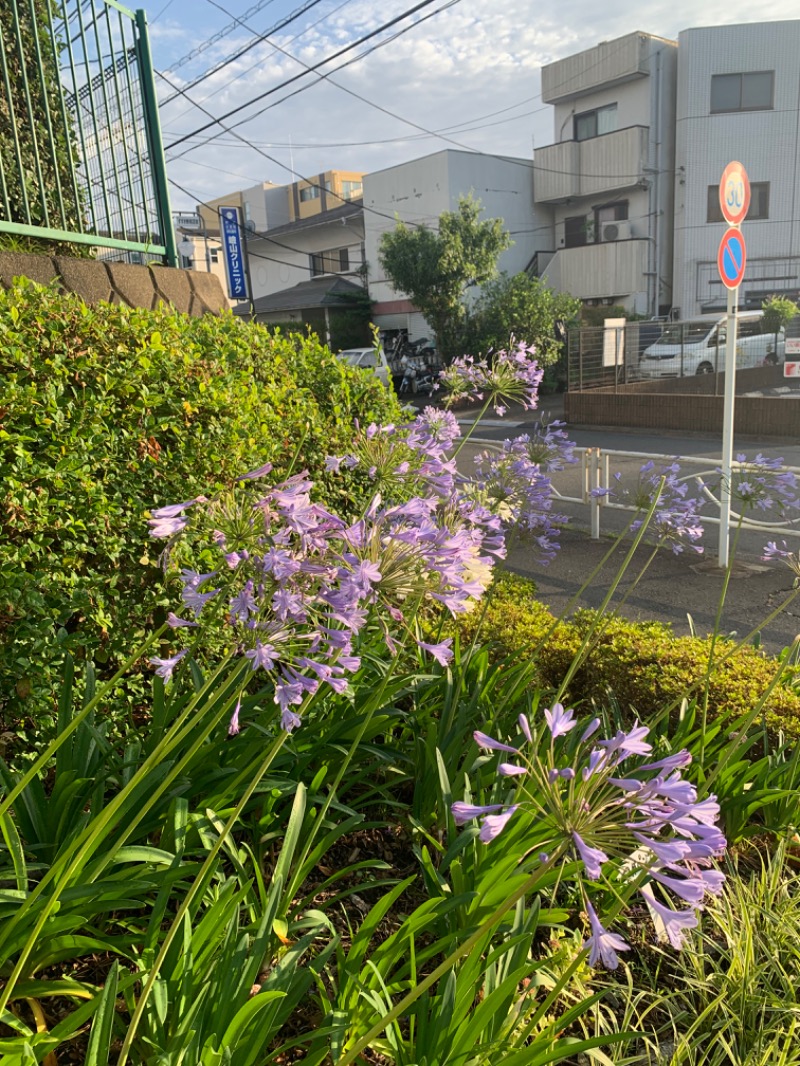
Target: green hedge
{"x": 642, "y": 664}
{"x": 108, "y": 411}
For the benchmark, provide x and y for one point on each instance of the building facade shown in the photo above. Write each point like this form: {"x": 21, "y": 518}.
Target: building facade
{"x": 419, "y": 191}
{"x": 608, "y": 176}
{"x": 738, "y": 98}
{"x": 293, "y": 234}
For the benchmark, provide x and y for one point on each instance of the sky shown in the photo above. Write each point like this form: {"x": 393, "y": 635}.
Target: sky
{"x": 467, "y": 71}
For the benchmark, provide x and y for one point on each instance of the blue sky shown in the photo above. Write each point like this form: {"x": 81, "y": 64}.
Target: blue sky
{"x": 470, "y": 73}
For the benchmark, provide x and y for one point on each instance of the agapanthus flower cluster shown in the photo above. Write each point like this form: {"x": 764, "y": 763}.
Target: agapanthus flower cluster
{"x": 405, "y": 460}
{"x": 516, "y": 487}
{"x": 762, "y": 484}
{"x": 607, "y": 803}
{"x": 296, "y": 585}
{"x": 676, "y": 520}
{"x": 504, "y": 377}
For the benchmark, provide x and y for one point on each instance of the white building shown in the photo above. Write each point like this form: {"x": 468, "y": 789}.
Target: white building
{"x": 608, "y": 178}
{"x": 294, "y": 235}
{"x": 738, "y": 98}
{"x": 419, "y": 191}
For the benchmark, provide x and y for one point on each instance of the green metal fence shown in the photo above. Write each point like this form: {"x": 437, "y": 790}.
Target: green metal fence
{"x": 81, "y": 155}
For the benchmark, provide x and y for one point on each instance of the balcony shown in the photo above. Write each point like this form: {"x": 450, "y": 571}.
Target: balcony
{"x": 572, "y": 169}
{"x": 600, "y": 271}
{"x": 609, "y": 63}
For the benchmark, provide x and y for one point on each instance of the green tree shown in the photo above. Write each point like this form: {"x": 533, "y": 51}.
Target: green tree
{"x": 435, "y": 268}
{"x": 778, "y": 313}
{"x": 523, "y": 307}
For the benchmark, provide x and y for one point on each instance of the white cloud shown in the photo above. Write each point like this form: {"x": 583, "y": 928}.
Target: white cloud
{"x": 471, "y": 60}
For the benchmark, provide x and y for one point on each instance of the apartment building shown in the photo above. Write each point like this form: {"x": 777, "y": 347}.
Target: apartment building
{"x": 608, "y": 176}
{"x": 295, "y": 235}
{"x": 419, "y": 191}
{"x": 738, "y": 98}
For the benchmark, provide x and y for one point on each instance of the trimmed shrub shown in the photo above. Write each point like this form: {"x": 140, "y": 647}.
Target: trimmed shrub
{"x": 108, "y": 411}
{"x": 642, "y": 664}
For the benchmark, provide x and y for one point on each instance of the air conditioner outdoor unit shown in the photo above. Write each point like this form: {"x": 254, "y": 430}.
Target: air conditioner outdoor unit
{"x": 616, "y": 231}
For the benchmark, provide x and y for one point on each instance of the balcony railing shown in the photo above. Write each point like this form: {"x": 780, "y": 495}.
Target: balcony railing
{"x": 600, "y": 271}
{"x": 572, "y": 169}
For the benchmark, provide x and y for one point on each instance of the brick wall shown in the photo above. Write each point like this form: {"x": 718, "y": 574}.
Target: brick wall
{"x": 694, "y": 403}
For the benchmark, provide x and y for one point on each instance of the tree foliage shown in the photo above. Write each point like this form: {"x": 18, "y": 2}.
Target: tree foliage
{"x": 519, "y": 306}
{"x": 34, "y": 139}
{"x": 778, "y": 312}
{"x": 436, "y": 268}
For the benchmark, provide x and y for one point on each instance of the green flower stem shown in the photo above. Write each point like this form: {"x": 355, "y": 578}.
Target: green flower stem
{"x": 56, "y": 743}
{"x": 585, "y": 643}
{"x": 715, "y": 634}
{"x": 177, "y": 922}
{"x": 473, "y": 427}
{"x": 463, "y": 949}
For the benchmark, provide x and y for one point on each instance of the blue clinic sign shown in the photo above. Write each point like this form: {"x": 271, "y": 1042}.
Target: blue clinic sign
{"x": 231, "y": 230}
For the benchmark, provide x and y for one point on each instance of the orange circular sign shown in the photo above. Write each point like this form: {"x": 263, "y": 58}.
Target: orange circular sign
{"x": 734, "y": 194}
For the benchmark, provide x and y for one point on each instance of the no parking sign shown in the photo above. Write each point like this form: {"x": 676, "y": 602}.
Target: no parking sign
{"x": 732, "y": 258}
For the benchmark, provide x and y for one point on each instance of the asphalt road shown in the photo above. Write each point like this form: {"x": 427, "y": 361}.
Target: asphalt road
{"x": 683, "y": 590}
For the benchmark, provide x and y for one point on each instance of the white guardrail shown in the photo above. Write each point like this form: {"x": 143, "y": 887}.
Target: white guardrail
{"x": 595, "y": 470}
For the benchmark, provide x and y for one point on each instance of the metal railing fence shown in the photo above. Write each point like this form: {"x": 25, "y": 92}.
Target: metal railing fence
{"x": 81, "y": 154}
{"x": 593, "y": 477}
{"x": 614, "y": 355}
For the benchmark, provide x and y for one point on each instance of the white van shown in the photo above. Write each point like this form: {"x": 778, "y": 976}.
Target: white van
{"x": 698, "y": 346}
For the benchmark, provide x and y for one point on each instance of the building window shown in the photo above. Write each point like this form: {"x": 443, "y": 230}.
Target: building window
{"x": 351, "y": 190}
{"x": 575, "y": 231}
{"x": 595, "y": 123}
{"x": 214, "y": 254}
{"x": 742, "y": 92}
{"x": 759, "y": 203}
{"x": 335, "y": 261}
{"x": 608, "y": 214}
{"x": 310, "y": 192}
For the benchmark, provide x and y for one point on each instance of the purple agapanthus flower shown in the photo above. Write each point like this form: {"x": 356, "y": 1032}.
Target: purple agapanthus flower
{"x": 592, "y": 858}
{"x": 494, "y": 824}
{"x": 441, "y": 652}
{"x": 603, "y": 945}
{"x": 484, "y": 741}
{"x": 466, "y": 812}
{"x": 558, "y": 720}
{"x": 582, "y": 805}
{"x": 675, "y": 923}
{"x": 262, "y": 471}
{"x": 165, "y": 667}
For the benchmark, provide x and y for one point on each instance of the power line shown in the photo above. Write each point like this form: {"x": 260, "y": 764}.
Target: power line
{"x": 243, "y": 74}
{"x": 248, "y": 233}
{"x": 210, "y": 41}
{"x": 301, "y": 145}
{"x": 258, "y": 39}
{"x": 323, "y": 62}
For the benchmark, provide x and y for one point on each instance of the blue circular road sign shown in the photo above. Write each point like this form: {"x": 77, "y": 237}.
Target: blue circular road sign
{"x": 732, "y": 258}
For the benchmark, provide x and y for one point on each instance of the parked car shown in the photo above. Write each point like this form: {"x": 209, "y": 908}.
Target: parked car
{"x": 368, "y": 359}
{"x": 698, "y": 346}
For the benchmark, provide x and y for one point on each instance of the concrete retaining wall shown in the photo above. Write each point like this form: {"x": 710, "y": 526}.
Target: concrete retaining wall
{"x": 690, "y": 404}
{"x": 138, "y": 286}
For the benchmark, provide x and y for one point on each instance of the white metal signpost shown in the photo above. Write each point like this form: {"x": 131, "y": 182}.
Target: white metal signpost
{"x": 734, "y": 201}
